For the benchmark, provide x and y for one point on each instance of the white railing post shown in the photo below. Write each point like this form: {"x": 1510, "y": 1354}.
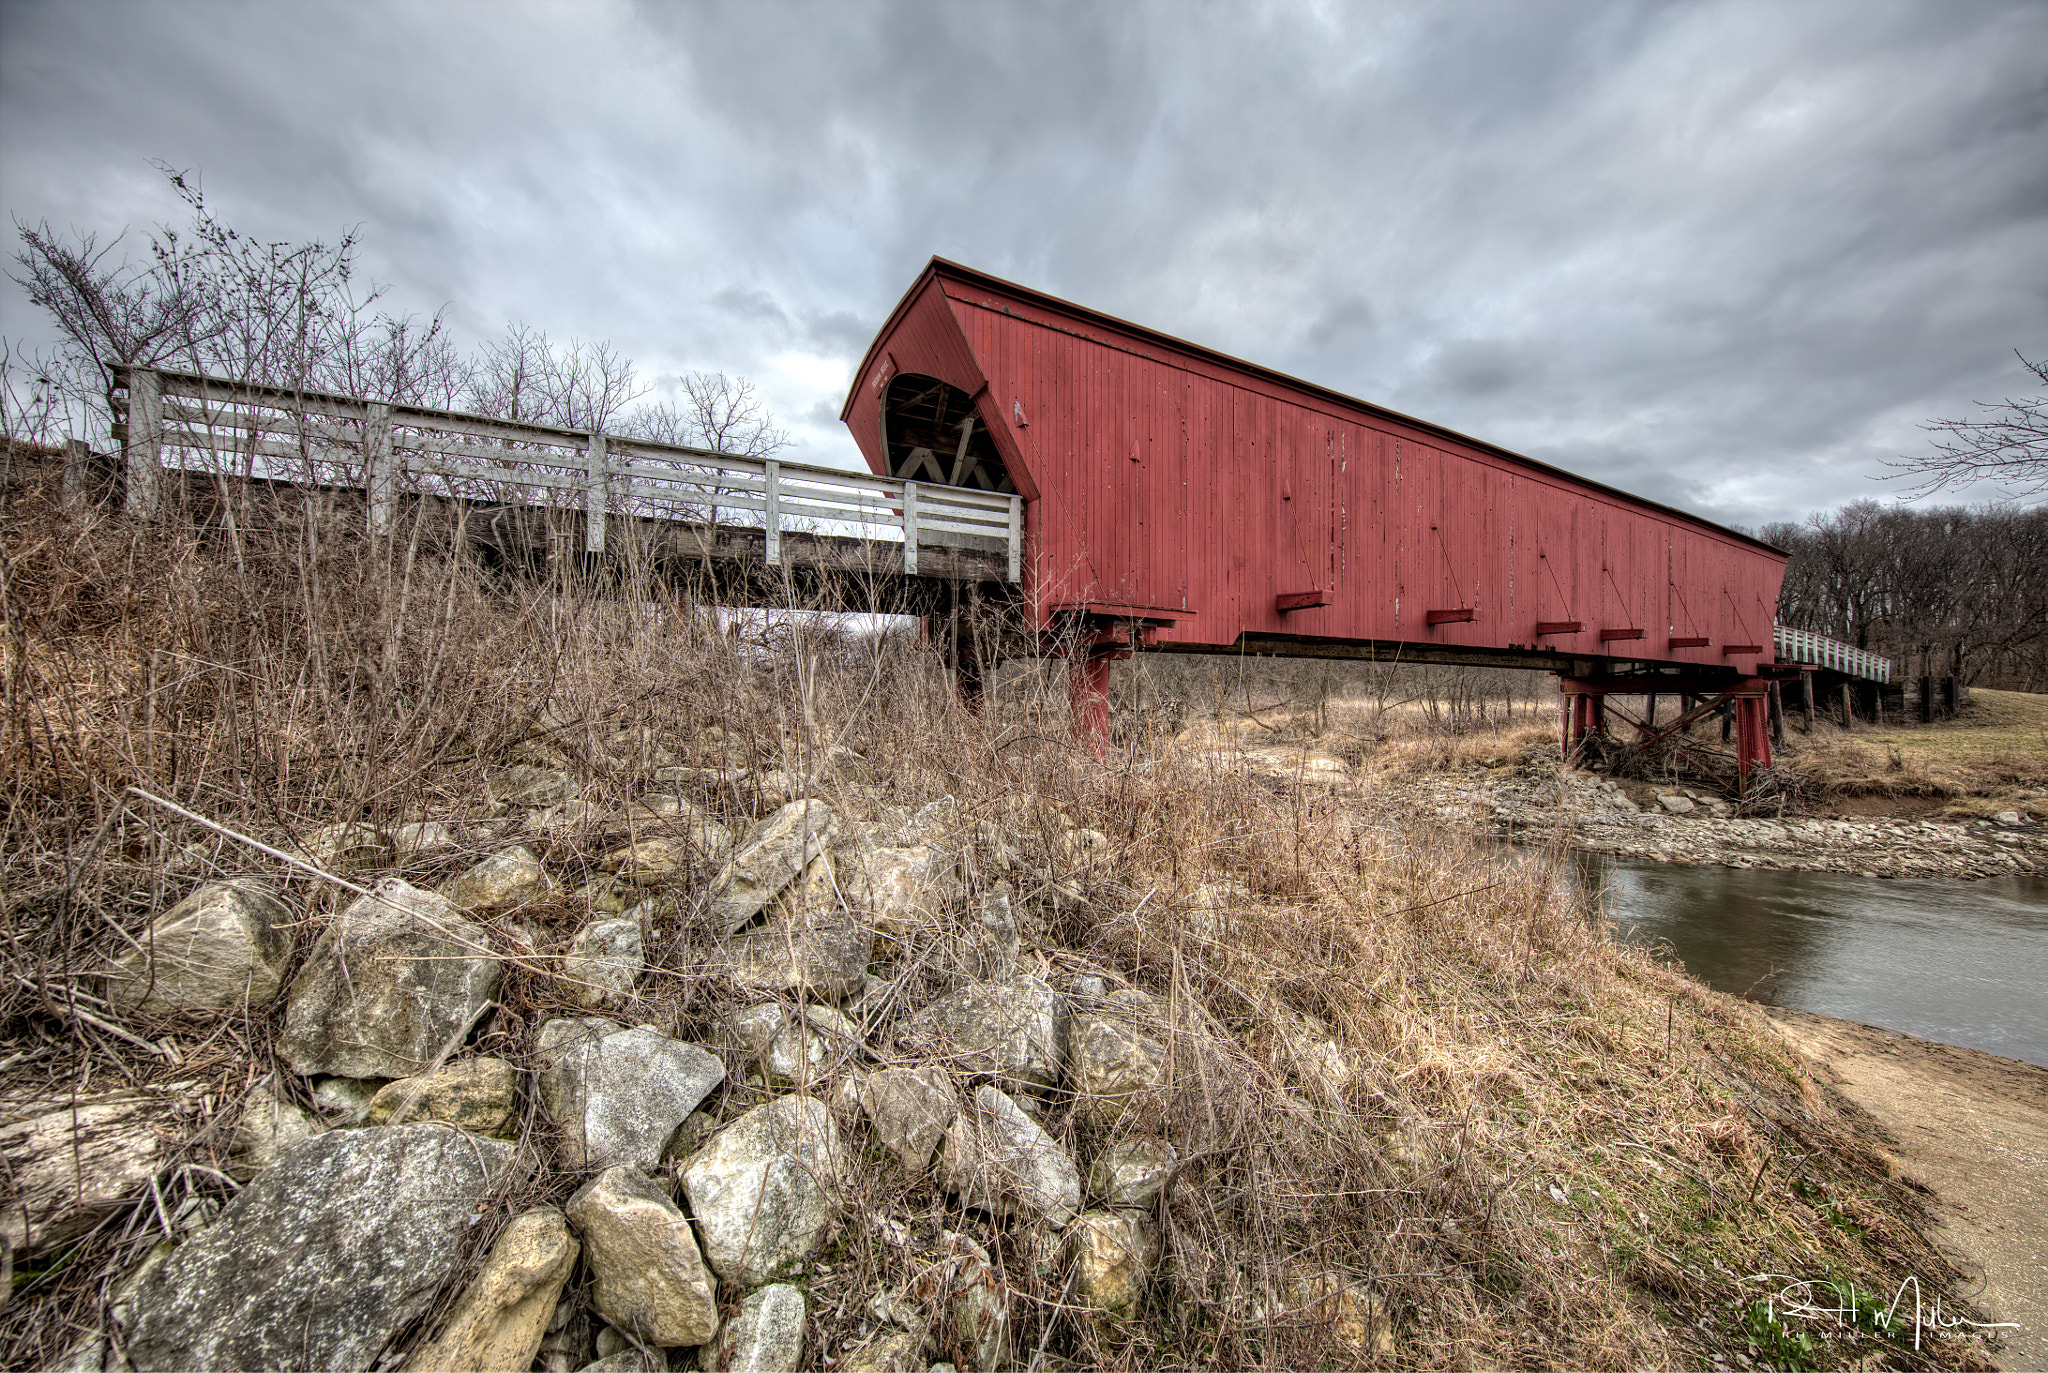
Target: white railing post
{"x": 143, "y": 448}
{"x": 1016, "y": 539}
{"x": 771, "y": 513}
{"x": 77, "y": 467}
{"x": 378, "y": 474}
{"x": 910, "y": 529}
{"x": 595, "y": 501}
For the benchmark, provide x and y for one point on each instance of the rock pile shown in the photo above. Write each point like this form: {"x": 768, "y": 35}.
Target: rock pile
{"x": 860, "y": 1013}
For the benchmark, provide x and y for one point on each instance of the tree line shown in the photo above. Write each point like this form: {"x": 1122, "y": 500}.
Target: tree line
{"x": 207, "y": 298}
{"x": 1940, "y": 590}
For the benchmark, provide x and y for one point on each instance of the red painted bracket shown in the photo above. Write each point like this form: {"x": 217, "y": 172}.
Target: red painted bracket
{"x": 1452, "y": 617}
{"x": 1735, "y": 650}
{"x": 1544, "y": 627}
{"x": 1610, "y": 635}
{"x": 1301, "y": 600}
{"x": 1692, "y": 643}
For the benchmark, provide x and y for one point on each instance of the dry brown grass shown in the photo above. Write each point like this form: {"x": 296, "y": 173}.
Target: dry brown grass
{"x": 1982, "y": 762}
{"x": 1400, "y": 1059}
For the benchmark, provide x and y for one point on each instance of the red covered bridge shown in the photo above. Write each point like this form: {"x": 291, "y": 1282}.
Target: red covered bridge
{"x": 1182, "y": 500}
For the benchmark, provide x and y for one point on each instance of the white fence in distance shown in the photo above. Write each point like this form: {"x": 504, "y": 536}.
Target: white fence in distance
{"x": 183, "y": 421}
{"x": 1804, "y": 647}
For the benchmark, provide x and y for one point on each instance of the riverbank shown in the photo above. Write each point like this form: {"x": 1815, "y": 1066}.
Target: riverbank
{"x": 1973, "y": 1128}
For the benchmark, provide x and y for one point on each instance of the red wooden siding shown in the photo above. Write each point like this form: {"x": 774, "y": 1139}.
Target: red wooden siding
{"x": 1159, "y": 474}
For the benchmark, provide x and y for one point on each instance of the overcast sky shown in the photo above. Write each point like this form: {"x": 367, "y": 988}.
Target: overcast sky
{"x": 1727, "y": 255}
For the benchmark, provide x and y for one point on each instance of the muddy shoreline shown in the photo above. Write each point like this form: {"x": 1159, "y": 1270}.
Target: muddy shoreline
{"x": 1973, "y": 1128}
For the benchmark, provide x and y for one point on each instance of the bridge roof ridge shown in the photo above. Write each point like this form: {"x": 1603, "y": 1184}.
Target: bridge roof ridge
{"x": 944, "y": 269}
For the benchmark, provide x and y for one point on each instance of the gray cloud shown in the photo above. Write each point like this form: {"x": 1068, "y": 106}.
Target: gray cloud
{"x": 1727, "y": 254}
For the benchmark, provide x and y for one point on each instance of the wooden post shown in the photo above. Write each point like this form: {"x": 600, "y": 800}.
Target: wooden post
{"x": 1777, "y": 714}
{"x": 595, "y": 499}
{"x": 910, "y": 535}
{"x": 1650, "y": 711}
{"x": 77, "y": 466}
{"x": 1016, "y": 538}
{"x": 771, "y": 512}
{"x": 1727, "y": 722}
{"x": 143, "y": 449}
{"x": 378, "y": 476}
{"x": 1806, "y": 699}
{"x": 1926, "y": 700}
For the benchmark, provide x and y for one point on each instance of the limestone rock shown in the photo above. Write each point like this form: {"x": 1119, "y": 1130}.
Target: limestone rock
{"x": 213, "y": 951}
{"x": 901, "y": 889}
{"x": 999, "y": 1160}
{"x": 473, "y": 1094}
{"x": 604, "y": 962}
{"x": 650, "y": 1276}
{"x": 767, "y": 1336}
{"x": 1676, "y": 804}
{"x": 1008, "y": 1030}
{"x": 391, "y": 981}
{"x": 820, "y": 952}
{"x": 1131, "y": 1172}
{"x": 628, "y": 1360}
{"x": 347, "y": 847}
{"x": 788, "y": 1046}
{"x": 321, "y": 1259}
{"x": 891, "y": 1351}
{"x": 764, "y": 1189}
{"x": 269, "y": 1126}
{"x": 509, "y": 878}
{"x": 69, "y": 1164}
{"x": 345, "y": 1100}
{"x": 1111, "y": 1064}
{"x": 523, "y": 784}
{"x": 421, "y": 836}
{"x": 977, "y": 1302}
{"x": 501, "y": 1319}
{"x": 1084, "y": 848}
{"x": 617, "y": 1094}
{"x": 1113, "y": 1253}
{"x": 779, "y": 849}
{"x": 650, "y": 862}
{"x": 911, "y": 1110}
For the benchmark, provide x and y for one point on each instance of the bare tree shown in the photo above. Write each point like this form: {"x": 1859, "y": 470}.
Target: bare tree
{"x": 721, "y": 413}
{"x": 2009, "y": 446}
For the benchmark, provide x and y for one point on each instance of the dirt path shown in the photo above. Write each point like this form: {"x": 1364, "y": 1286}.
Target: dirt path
{"x": 1972, "y": 1126}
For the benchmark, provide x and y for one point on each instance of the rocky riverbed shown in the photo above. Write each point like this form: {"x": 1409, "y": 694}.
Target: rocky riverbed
{"x": 1682, "y": 825}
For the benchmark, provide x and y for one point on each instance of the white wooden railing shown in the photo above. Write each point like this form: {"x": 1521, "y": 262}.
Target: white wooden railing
{"x": 1805, "y": 647}
{"x": 182, "y": 421}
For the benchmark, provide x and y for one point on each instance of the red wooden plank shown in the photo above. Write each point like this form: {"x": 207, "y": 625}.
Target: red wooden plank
{"x": 1156, "y": 473}
{"x": 1451, "y": 617}
{"x": 1301, "y": 600}
{"x": 1608, "y": 636}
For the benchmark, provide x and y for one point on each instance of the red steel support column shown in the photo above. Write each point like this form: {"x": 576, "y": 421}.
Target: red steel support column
{"x": 1752, "y": 735}
{"x": 1088, "y": 700}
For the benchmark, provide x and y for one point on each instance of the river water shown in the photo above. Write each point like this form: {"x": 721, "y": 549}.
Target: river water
{"x": 1958, "y": 962}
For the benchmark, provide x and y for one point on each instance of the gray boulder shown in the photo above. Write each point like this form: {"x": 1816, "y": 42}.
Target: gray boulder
{"x": 1112, "y": 1065}
{"x": 616, "y": 1094}
{"x": 771, "y": 858}
{"x": 998, "y": 1159}
{"x": 819, "y": 952}
{"x": 321, "y": 1259}
{"x": 393, "y": 979}
{"x": 767, "y": 1336}
{"x": 1007, "y": 1030}
{"x": 1131, "y": 1172}
{"x": 911, "y": 1109}
{"x": 788, "y": 1045}
{"x": 507, "y": 879}
{"x": 269, "y": 1126}
{"x": 604, "y": 962}
{"x": 765, "y": 1189}
{"x": 69, "y": 1163}
{"x": 213, "y": 951}
{"x": 650, "y": 1276}
{"x": 523, "y": 784}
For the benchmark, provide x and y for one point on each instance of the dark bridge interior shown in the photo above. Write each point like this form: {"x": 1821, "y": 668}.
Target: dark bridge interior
{"x": 932, "y": 434}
